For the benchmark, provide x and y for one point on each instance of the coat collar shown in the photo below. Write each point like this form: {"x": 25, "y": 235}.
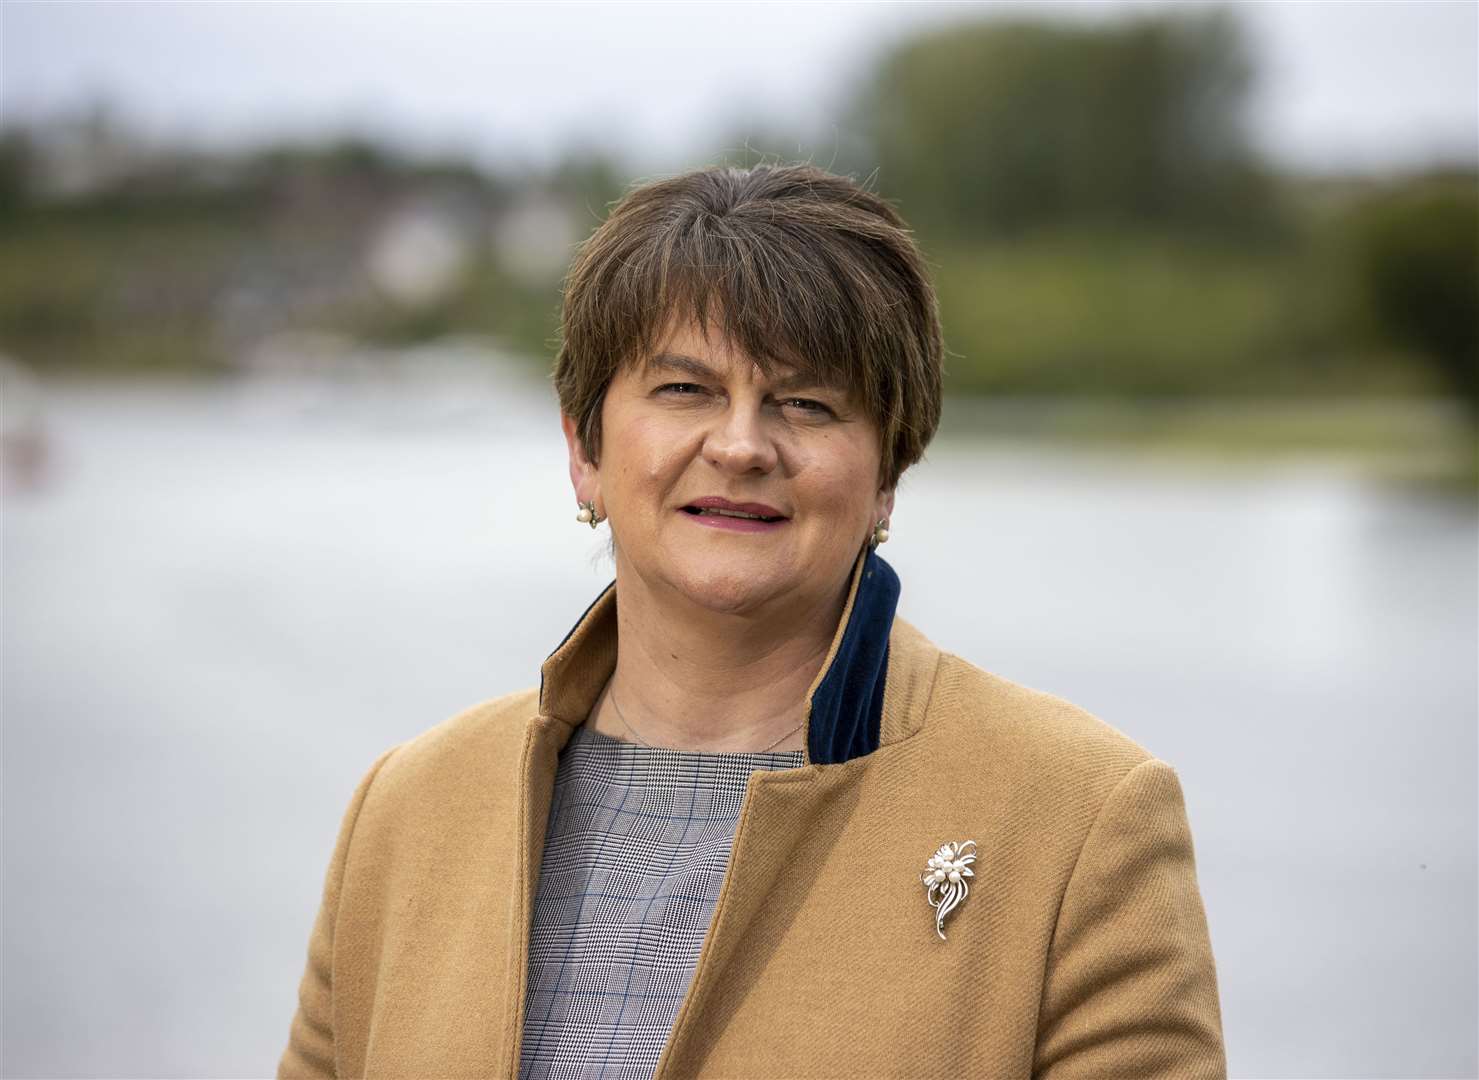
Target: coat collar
{"x": 845, "y": 719}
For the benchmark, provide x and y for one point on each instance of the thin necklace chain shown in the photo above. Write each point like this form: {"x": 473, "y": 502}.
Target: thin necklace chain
{"x": 611, "y": 695}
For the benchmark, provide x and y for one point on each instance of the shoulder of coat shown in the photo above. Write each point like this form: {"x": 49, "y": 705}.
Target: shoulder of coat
{"x": 476, "y": 742}
{"x": 1038, "y": 737}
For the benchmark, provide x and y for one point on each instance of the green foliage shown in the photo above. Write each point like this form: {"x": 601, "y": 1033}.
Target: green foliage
{"x": 16, "y": 154}
{"x": 591, "y": 183}
{"x": 113, "y": 291}
{"x": 1125, "y": 313}
{"x": 993, "y": 128}
{"x": 1416, "y": 257}
{"x": 488, "y": 301}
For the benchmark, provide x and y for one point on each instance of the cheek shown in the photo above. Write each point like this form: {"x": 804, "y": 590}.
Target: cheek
{"x": 841, "y": 478}
{"x": 652, "y": 455}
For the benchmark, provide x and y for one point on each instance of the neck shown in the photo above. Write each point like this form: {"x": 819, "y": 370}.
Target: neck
{"x": 689, "y": 678}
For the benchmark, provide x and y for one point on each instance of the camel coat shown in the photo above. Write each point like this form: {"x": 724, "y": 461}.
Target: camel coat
{"x": 1080, "y": 951}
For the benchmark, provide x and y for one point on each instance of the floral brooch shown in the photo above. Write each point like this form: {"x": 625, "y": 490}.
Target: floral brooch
{"x": 945, "y": 880}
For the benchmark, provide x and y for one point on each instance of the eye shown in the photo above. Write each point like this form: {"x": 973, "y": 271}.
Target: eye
{"x": 809, "y": 405}
{"x": 679, "y": 389}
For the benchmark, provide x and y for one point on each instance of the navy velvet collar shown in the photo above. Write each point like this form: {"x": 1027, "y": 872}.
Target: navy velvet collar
{"x": 847, "y": 706}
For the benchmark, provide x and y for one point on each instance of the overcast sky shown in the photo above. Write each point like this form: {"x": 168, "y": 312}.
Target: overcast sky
{"x": 1342, "y": 85}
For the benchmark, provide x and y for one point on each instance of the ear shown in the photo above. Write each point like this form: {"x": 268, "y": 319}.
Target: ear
{"x": 584, "y": 476}
{"x": 884, "y": 508}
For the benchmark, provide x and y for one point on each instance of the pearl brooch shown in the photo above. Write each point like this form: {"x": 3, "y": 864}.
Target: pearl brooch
{"x": 944, "y": 881}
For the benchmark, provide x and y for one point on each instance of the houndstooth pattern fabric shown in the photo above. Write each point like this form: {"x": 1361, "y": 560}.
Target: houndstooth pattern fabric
{"x": 637, "y": 846}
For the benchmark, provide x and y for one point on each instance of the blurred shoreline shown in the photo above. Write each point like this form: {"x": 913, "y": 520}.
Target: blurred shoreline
{"x": 462, "y": 384}
{"x": 1403, "y": 441}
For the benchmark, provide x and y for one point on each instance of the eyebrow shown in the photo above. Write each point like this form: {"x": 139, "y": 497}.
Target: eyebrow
{"x": 699, "y": 370}
{"x": 678, "y": 362}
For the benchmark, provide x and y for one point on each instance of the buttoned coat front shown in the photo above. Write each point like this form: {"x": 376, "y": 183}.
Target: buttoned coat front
{"x": 1080, "y": 951}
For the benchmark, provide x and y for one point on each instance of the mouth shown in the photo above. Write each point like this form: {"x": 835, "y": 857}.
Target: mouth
{"x": 704, "y": 511}
{"x": 741, "y": 517}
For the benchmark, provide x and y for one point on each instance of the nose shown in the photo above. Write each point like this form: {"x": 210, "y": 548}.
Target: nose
{"x": 739, "y": 441}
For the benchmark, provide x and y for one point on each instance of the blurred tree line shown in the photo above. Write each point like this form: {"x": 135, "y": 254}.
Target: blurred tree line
{"x": 1088, "y": 194}
{"x": 995, "y": 130}
{"x": 1100, "y": 222}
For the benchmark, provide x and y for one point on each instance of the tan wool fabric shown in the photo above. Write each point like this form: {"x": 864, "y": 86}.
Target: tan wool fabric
{"x": 1080, "y": 952}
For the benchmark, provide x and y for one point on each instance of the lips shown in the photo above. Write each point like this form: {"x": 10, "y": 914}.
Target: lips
{"x": 725, "y": 514}
{"x": 714, "y": 506}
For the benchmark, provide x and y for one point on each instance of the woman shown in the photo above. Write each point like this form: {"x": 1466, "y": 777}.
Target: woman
{"x": 751, "y": 824}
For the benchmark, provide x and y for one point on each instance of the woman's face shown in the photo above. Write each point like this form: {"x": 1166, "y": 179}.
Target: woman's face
{"x": 698, "y": 430}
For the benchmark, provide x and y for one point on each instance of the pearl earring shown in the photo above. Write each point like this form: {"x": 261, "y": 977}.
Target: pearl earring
{"x": 880, "y": 532}
{"x": 587, "y": 514}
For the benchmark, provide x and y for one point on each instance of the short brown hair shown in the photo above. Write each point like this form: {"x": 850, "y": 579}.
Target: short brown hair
{"x": 797, "y": 267}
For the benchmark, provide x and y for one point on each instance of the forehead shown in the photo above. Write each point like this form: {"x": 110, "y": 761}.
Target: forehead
{"x": 688, "y": 349}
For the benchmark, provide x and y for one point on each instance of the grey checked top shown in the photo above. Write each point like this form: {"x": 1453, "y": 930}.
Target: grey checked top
{"x": 636, "y": 850}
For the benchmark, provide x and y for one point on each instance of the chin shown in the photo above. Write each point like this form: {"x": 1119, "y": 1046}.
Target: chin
{"x": 728, "y": 590}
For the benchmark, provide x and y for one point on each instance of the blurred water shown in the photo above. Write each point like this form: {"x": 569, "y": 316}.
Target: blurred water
{"x": 228, "y": 601}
